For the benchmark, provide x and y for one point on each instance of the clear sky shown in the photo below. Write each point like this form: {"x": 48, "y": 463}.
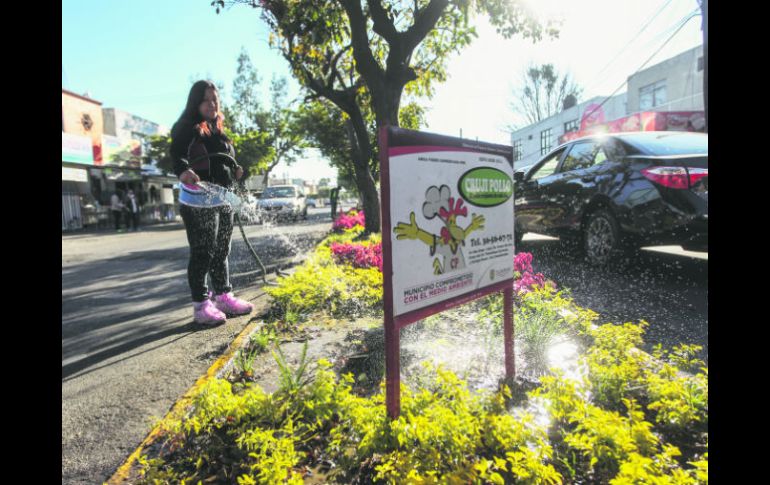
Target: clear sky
{"x": 141, "y": 56}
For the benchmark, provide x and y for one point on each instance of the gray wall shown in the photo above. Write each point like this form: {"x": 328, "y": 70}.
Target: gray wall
{"x": 684, "y": 83}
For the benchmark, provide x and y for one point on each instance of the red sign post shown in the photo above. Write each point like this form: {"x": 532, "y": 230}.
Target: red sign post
{"x": 452, "y": 242}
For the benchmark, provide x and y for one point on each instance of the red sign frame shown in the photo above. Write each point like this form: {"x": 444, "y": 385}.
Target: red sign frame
{"x": 393, "y": 324}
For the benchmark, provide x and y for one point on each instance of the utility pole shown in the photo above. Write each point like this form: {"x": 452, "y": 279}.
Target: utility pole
{"x": 706, "y": 60}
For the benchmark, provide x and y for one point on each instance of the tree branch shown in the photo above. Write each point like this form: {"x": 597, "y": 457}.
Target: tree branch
{"x": 424, "y": 21}
{"x": 362, "y": 52}
{"x": 383, "y": 24}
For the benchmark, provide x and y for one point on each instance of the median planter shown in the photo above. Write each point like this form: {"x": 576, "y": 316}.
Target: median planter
{"x": 608, "y": 414}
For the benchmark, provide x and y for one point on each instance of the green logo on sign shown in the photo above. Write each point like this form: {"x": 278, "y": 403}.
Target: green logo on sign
{"x": 485, "y": 187}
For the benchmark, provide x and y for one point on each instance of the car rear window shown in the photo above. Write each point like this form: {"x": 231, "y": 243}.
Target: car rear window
{"x": 663, "y": 144}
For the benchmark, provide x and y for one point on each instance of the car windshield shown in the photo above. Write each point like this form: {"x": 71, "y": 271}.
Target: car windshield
{"x": 278, "y": 192}
{"x": 664, "y": 144}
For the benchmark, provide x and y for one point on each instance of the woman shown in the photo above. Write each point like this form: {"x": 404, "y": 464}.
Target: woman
{"x": 117, "y": 208}
{"x": 198, "y": 132}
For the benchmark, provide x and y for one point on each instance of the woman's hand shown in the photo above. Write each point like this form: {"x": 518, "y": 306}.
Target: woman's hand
{"x": 189, "y": 177}
{"x": 238, "y": 173}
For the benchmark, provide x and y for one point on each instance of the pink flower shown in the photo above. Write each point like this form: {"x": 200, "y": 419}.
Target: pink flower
{"x": 358, "y": 255}
{"x": 349, "y": 221}
{"x": 528, "y": 279}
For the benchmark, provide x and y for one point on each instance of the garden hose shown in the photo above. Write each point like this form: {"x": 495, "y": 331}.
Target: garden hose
{"x": 238, "y": 219}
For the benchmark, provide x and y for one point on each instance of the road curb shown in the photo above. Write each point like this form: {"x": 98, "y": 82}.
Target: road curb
{"x": 121, "y": 474}
{"x": 181, "y": 405}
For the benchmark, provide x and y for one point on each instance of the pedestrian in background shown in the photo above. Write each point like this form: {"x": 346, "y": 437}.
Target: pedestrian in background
{"x": 132, "y": 211}
{"x": 117, "y": 206}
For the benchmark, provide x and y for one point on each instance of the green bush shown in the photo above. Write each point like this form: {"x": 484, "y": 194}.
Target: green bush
{"x": 320, "y": 284}
{"x": 629, "y": 418}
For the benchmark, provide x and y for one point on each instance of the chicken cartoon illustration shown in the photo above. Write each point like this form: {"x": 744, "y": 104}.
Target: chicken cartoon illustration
{"x": 446, "y": 246}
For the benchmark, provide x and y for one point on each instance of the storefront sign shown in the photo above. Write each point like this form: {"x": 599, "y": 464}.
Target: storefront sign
{"x": 644, "y": 121}
{"x": 76, "y": 149}
{"x": 117, "y": 175}
{"x": 121, "y": 152}
{"x": 74, "y": 174}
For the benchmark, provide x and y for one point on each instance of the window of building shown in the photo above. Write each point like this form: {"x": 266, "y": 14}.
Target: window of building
{"x": 517, "y": 152}
{"x": 700, "y": 63}
{"x": 571, "y": 126}
{"x": 652, "y": 95}
{"x": 545, "y": 141}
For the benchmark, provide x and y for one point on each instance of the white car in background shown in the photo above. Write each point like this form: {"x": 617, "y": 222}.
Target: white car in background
{"x": 283, "y": 202}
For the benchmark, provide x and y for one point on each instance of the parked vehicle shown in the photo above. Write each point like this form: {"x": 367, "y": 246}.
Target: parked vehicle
{"x": 608, "y": 194}
{"x": 283, "y": 202}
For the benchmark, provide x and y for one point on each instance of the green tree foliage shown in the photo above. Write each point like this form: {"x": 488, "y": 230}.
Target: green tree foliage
{"x": 262, "y": 137}
{"x": 282, "y": 127}
{"x": 362, "y": 56}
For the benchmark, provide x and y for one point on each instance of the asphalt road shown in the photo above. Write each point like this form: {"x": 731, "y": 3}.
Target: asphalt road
{"x": 129, "y": 348}
{"x": 666, "y": 286}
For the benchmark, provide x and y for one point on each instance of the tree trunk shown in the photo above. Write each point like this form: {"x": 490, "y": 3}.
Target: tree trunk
{"x": 361, "y": 153}
{"x": 370, "y": 199}
{"x": 268, "y": 170}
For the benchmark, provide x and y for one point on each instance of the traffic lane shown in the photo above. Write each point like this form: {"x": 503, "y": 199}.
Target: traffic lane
{"x": 111, "y": 303}
{"x": 667, "y": 287}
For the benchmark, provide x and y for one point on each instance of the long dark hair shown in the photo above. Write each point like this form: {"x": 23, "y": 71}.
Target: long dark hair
{"x": 191, "y": 114}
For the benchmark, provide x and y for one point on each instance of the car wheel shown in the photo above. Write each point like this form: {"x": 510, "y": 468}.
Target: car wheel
{"x": 601, "y": 238}
{"x": 304, "y": 214}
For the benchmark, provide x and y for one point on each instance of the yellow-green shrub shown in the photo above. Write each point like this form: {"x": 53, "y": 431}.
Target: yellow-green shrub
{"x": 320, "y": 284}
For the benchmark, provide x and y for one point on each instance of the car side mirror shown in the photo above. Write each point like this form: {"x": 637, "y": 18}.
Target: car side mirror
{"x": 518, "y": 176}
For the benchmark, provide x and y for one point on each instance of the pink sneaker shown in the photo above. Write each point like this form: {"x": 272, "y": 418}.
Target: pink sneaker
{"x": 207, "y": 314}
{"x": 230, "y": 305}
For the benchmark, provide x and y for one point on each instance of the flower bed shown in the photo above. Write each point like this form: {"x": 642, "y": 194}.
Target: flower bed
{"x": 351, "y": 220}
{"x": 624, "y": 417}
{"x": 358, "y": 255}
{"x": 343, "y": 276}
{"x": 629, "y": 418}
{"x": 321, "y": 284}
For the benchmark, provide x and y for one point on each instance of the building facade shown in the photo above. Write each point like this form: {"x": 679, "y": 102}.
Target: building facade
{"x": 82, "y": 130}
{"x": 103, "y": 153}
{"x": 534, "y": 141}
{"x": 675, "y": 84}
{"x": 666, "y": 96}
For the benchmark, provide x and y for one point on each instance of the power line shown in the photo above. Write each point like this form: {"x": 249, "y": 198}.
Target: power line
{"x": 683, "y": 22}
{"x": 665, "y": 32}
{"x": 643, "y": 65}
{"x": 623, "y": 49}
